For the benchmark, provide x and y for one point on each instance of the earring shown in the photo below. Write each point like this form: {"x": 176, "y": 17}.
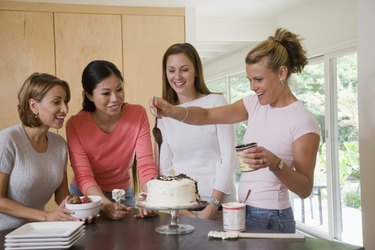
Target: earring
{"x": 282, "y": 82}
{"x": 36, "y": 115}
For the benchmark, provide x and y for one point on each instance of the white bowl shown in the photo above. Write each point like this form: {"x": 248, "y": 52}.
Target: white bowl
{"x": 86, "y": 210}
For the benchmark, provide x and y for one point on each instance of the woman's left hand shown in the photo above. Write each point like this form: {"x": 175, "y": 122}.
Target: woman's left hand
{"x": 208, "y": 213}
{"x": 91, "y": 219}
{"x": 259, "y": 157}
{"x": 146, "y": 213}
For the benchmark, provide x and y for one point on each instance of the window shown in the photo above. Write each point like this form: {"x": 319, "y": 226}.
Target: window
{"x": 328, "y": 86}
{"x": 234, "y": 87}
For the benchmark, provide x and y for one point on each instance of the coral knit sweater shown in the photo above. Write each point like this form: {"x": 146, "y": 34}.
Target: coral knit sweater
{"x": 102, "y": 159}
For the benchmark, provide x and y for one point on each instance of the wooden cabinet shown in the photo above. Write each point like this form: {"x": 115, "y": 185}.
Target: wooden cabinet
{"x": 146, "y": 38}
{"x": 61, "y": 39}
{"x": 26, "y": 46}
{"x": 79, "y": 39}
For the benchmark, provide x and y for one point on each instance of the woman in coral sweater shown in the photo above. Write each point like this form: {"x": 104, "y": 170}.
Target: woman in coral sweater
{"x": 104, "y": 137}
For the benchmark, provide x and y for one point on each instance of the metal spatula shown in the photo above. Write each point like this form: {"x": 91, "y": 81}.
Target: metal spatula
{"x": 158, "y": 137}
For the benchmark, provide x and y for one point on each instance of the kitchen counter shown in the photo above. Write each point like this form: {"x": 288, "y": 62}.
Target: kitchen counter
{"x": 131, "y": 233}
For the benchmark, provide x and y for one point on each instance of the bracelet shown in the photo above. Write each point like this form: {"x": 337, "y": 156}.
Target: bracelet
{"x": 186, "y": 114}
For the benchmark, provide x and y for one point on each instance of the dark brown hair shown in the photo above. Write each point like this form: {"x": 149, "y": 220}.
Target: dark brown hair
{"x": 93, "y": 74}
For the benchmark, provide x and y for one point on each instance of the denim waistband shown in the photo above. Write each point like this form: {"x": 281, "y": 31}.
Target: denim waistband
{"x": 288, "y": 212}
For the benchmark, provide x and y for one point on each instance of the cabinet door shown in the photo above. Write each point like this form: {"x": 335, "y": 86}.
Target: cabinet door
{"x": 145, "y": 39}
{"x": 26, "y": 46}
{"x": 81, "y": 38}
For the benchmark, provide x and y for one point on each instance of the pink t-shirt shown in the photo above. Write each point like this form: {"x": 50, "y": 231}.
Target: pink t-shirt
{"x": 275, "y": 129}
{"x": 104, "y": 159}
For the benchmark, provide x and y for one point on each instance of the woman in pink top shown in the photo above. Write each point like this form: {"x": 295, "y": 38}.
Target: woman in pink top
{"x": 105, "y": 136}
{"x": 286, "y": 132}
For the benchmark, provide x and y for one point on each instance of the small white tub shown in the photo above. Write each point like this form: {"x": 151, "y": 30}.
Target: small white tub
{"x": 234, "y": 216}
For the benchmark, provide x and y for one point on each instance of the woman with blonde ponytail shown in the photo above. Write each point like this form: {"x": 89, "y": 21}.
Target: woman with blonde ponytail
{"x": 286, "y": 133}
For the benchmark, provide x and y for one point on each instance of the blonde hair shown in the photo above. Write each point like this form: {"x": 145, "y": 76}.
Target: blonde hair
{"x": 284, "y": 48}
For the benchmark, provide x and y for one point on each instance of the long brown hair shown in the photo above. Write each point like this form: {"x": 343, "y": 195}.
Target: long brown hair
{"x": 185, "y": 48}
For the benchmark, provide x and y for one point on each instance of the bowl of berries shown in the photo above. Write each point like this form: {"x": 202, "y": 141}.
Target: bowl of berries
{"x": 84, "y": 206}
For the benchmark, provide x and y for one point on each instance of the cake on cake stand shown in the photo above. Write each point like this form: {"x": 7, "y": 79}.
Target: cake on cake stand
{"x": 174, "y": 228}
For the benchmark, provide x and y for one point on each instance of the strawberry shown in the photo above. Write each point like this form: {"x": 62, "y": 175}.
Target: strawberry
{"x": 74, "y": 200}
{"x": 85, "y": 199}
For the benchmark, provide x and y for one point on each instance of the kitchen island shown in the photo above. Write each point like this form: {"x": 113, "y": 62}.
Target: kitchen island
{"x": 134, "y": 234}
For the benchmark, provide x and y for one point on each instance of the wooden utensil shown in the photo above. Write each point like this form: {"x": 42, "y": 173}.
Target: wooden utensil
{"x": 236, "y": 235}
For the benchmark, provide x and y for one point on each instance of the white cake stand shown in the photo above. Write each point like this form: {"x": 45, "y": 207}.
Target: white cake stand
{"x": 174, "y": 228}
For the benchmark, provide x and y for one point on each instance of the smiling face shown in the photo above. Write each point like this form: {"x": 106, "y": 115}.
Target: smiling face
{"x": 180, "y": 73}
{"x": 265, "y": 83}
{"x": 53, "y": 108}
{"x": 108, "y": 96}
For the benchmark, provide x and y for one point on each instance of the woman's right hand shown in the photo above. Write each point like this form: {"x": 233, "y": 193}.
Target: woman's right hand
{"x": 115, "y": 212}
{"x": 161, "y": 108}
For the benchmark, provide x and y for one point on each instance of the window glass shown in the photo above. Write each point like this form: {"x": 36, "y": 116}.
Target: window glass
{"x": 309, "y": 88}
{"x": 239, "y": 88}
{"x": 339, "y": 153}
{"x": 218, "y": 86}
{"x": 348, "y": 149}
{"x": 235, "y": 87}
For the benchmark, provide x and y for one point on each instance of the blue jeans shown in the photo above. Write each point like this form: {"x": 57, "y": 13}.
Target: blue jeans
{"x": 270, "y": 220}
{"x": 129, "y": 195}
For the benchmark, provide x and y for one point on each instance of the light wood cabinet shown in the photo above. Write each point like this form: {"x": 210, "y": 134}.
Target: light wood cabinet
{"x": 81, "y": 38}
{"x": 146, "y": 38}
{"x": 61, "y": 39}
{"x": 26, "y": 46}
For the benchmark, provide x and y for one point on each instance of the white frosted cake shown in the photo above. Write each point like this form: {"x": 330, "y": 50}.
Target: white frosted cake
{"x": 172, "y": 191}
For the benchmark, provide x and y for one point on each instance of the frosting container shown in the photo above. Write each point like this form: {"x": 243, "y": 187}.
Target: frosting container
{"x": 244, "y": 167}
{"x": 234, "y": 216}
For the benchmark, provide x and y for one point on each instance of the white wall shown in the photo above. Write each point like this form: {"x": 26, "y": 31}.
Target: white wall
{"x": 324, "y": 25}
{"x": 237, "y": 29}
{"x": 366, "y": 92}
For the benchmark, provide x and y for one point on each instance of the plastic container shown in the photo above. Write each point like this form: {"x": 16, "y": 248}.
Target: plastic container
{"x": 244, "y": 167}
{"x": 234, "y": 216}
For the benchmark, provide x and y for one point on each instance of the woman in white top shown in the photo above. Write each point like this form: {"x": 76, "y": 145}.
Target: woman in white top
{"x": 286, "y": 132}
{"x": 204, "y": 153}
{"x": 33, "y": 160}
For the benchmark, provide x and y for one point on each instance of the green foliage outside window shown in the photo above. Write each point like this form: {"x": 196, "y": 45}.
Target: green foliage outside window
{"x": 309, "y": 88}
{"x": 234, "y": 88}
